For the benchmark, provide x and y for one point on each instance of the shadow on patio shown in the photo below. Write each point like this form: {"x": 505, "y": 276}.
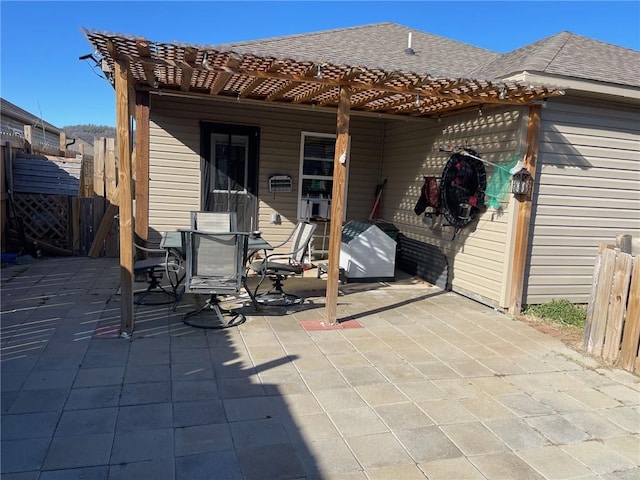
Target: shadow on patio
{"x": 428, "y": 385}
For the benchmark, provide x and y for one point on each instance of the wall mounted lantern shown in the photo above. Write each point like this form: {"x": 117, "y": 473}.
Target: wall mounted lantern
{"x": 521, "y": 182}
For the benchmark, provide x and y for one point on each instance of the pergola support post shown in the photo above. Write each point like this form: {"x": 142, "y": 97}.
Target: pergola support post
{"x": 142, "y": 165}
{"x": 123, "y": 137}
{"x": 523, "y": 219}
{"x": 337, "y": 204}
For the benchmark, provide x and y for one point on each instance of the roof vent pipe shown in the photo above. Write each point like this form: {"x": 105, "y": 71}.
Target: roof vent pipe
{"x": 409, "y": 50}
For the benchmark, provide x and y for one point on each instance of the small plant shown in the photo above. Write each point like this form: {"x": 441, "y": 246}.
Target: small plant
{"x": 562, "y": 311}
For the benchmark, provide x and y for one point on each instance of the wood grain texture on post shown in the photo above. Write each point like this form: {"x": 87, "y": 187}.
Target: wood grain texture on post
{"x": 340, "y": 162}
{"x": 123, "y": 132}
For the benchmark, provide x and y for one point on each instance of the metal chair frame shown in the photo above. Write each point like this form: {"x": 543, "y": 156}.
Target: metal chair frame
{"x": 159, "y": 263}
{"x": 278, "y": 266}
{"x": 215, "y": 266}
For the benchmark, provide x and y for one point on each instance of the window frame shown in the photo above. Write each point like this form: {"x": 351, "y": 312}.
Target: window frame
{"x": 302, "y": 176}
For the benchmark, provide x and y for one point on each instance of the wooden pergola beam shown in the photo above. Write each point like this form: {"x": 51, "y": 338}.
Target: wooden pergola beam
{"x": 123, "y": 136}
{"x": 337, "y": 204}
{"x": 349, "y": 80}
{"x": 190, "y": 54}
{"x": 523, "y": 220}
{"x": 144, "y": 50}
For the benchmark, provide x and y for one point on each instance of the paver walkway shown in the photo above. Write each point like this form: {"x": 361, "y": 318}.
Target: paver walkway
{"x": 433, "y": 385}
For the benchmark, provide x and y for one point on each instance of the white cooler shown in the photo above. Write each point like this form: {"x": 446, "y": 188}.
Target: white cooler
{"x": 367, "y": 252}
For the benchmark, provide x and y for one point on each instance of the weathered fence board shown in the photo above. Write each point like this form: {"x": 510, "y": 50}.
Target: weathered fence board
{"x": 612, "y": 328}
{"x": 617, "y": 306}
{"x": 49, "y": 175}
{"x": 631, "y": 333}
{"x": 86, "y": 178}
{"x": 592, "y": 295}
{"x": 601, "y": 303}
{"x": 110, "y": 170}
{"x": 98, "y": 167}
{"x": 43, "y": 204}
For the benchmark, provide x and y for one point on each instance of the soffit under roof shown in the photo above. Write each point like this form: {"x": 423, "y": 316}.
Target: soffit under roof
{"x": 224, "y": 72}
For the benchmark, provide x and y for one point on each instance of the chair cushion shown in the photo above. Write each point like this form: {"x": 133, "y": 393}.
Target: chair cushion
{"x": 149, "y": 264}
{"x": 283, "y": 268}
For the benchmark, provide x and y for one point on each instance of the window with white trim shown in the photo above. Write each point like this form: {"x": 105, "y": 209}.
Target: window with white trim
{"x": 315, "y": 186}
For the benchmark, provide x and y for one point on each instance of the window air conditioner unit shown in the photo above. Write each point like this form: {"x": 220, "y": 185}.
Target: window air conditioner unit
{"x": 280, "y": 183}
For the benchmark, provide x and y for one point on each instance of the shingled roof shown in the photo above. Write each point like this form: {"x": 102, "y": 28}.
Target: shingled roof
{"x": 569, "y": 55}
{"x": 9, "y": 110}
{"x": 381, "y": 45}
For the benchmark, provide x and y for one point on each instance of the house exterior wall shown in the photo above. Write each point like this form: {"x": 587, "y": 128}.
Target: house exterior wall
{"x": 174, "y": 148}
{"x": 479, "y": 259}
{"x": 588, "y": 187}
{"x": 15, "y": 127}
{"x": 588, "y": 191}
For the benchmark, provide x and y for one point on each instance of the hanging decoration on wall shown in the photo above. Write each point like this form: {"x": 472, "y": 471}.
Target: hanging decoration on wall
{"x": 499, "y": 181}
{"x": 459, "y": 195}
{"x": 462, "y": 188}
{"x": 429, "y": 200}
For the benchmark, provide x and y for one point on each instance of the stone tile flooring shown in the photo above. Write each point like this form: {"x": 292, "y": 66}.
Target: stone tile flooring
{"x": 432, "y": 385}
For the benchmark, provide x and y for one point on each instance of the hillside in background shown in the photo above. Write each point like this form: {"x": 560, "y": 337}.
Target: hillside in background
{"x": 89, "y": 132}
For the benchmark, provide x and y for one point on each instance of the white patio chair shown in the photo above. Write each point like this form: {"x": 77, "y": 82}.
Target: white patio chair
{"x": 279, "y": 266}
{"x": 214, "y": 221}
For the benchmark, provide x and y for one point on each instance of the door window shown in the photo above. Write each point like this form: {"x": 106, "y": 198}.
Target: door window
{"x": 229, "y": 171}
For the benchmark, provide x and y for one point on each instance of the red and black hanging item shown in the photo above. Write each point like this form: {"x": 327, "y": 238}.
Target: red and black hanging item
{"x": 462, "y": 186}
{"x": 429, "y": 197}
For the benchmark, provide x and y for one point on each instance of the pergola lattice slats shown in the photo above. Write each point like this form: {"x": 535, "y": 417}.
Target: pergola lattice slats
{"x": 206, "y": 70}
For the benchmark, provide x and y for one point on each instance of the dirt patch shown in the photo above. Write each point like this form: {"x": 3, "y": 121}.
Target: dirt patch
{"x": 569, "y": 334}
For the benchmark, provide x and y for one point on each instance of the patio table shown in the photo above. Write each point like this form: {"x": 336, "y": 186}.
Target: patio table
{"x": 173, "y": 240}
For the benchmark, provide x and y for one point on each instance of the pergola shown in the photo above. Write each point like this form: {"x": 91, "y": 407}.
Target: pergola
{"x": 136, "y": 67}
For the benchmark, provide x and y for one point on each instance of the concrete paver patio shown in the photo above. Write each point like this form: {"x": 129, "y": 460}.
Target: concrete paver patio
{"x": 432, "y": 385}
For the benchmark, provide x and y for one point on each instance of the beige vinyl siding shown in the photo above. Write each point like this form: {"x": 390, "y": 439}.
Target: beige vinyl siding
{"x": 174, "y": 171}
{"x": 588, "y": 191}
{"x": 479, "y": 258}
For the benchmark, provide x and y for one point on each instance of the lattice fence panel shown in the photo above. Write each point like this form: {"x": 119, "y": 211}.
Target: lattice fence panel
{"x": 45, "y": 217}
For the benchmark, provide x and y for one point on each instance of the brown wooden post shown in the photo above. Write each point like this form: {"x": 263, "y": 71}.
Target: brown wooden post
{"x": 142, "y": 165}
{"x": 524, "y": 214}
{"x": 63, "y": 144}
{"x": 337, "y": 204}
{"x": 110, "y": 171}
{"x": 99, "y": 150}
{"x": 28, "y": 137}
{"x": 123, "y": 132}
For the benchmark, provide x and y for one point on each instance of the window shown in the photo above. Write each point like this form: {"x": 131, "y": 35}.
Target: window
{"x": 229, "y": 155}
{"x": 316, "y": 175}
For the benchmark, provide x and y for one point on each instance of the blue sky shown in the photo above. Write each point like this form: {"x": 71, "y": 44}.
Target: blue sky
{"x": 41, "y": 41}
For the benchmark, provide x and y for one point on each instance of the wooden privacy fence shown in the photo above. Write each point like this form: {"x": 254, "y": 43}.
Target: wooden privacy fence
{"x": 61, "y": 207}
{"x": 612, "y": 329}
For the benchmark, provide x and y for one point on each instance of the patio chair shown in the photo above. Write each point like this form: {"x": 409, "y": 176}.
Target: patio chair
{"x": 278, "y": 266}
{"x": 156, "y": 264}
{"x": 215, "y": 267}
{"x": 214, "y": 221}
